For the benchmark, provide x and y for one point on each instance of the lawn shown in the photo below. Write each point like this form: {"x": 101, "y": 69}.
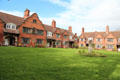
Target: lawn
{"x": 19, "y": 63}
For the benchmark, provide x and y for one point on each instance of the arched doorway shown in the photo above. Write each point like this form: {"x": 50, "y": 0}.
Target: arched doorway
{"x": 10, "y": 40}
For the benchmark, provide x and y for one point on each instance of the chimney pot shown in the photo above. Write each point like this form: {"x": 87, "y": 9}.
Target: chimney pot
{"x": 70, "y": 28}
{"x": 82, "y": 30}
{"x": 54, "y": 24}
{"x": 107, "y": 29}
{"x": 26, "y": 13}
{"x": 75, "y": 34}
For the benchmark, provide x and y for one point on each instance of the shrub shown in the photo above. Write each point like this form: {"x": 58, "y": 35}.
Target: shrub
{"x": 75, "y": 45}
{"x": 93, "y": 54}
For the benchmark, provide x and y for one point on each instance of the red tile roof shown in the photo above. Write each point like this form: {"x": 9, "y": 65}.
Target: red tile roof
{"x": 49, "y": 28}
{"x": 8, "y": 18}
{"x": 103, "y": 34}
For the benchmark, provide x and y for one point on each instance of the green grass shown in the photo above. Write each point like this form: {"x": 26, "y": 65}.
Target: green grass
{"x": 18, "y": 63}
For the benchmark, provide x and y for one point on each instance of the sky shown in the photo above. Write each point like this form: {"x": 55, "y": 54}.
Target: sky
{"x": 93, "y": 15}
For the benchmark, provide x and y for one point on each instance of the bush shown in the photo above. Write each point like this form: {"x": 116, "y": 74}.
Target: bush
{"x": 93, "y": 54}
{"x": 75, "y": 45}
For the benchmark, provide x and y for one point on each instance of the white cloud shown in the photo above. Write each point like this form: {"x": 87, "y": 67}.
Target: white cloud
{"x": 17, "y": 13}
{"x": 94, "y": 15}
{"x": 60, "y": 2}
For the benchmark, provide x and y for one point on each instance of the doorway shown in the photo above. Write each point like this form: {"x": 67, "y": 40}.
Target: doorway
{"x": 10, "y": 41}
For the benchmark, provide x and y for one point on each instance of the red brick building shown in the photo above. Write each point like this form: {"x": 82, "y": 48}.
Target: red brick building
{"x": 30, "y": 31}
{"x": 109, "y": 40}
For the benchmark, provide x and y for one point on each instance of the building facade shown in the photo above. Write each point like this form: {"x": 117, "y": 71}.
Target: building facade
{"x": 29, "y": 31}
{"x": 109, "y": 40}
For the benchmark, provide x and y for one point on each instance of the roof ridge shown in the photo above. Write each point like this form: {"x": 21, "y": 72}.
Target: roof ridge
{"x": 11, "y": 15}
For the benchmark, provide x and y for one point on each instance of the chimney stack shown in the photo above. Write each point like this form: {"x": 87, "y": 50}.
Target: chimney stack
{"x": 75, "y": 34}
{"x": 26, "y": 13}
{"x": 70, "y": 28}
{"x": 107, "y": 29}
{"x": 82, "y": 30}
{"x": 54, "y": 24}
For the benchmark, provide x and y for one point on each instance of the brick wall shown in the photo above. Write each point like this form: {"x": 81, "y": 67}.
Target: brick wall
{"x": 29, "y": 24}
{"x": 1, "y": 32}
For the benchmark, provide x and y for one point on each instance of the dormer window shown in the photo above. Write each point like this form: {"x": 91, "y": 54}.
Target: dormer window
{"x": 34, "y": 21}
{"x": 10, "y": 26}
{"x": 49, "y": 34}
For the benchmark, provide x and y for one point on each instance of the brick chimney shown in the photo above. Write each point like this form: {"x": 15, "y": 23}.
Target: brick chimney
{"x": 54, "y": 24}
{"x": 107, "y": 29}
{"x": 70, "y": 28}
{"x": 26, "y": 13}
{"x": 75, "y": 34}
{"x": 82, "y": 30}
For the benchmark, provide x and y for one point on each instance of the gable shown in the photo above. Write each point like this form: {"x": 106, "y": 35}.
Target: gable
{"x": 110, "y": 36}
{"x": 29, "y": 22}
{"x": 34, "y": 16}
{"x": 65, "y": 33}
{"x": 99, "y": 36}
{"x": 57, "y": 31}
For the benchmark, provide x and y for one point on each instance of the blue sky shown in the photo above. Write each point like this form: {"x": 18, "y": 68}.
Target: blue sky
{"x": 93, "y": 15}
{"x": 43, "y": 7}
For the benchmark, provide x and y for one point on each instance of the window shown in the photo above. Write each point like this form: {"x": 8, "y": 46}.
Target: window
{"x": 65, "y": 43}
{"x": 57, "y": 42}
{"x": 76, "y": 39}
{"x": 98, "y": 46}
{"x": 39, "y": 41}
{"x": 10, "y": 26}
{"x": 25, "y": 40}
{"x": 40, "y": 32}
{"x": 110, "y": 46}
{"x": 82, "y": 39}
{"x": 7, "y": 26}
{"x": 65, "y": 36}
{"x": 70, "y": 37}
{"x": 110, "y": 39}
{"x": 57, "y": 35}
{"x": 27, "y": 30}
{"x": 98, "y": 39}
{"x": 118, "y": 39}
{"x": 90, "y": 39}
{"x": 34, "y": 21}
{"x": 81, "y": 45}
{"x": 49, "y": 34}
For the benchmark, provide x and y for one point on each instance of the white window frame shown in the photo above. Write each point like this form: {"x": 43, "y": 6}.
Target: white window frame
{"x": 110, "y": 40}
{"x": 11, "y": 26}
{"x": 98, "y": 45}
{"x": 98, "y": 39}
{"x": 49, "y": 34}
{"x": 90, "y": 38}
{"x": 118, "y": 39}
{"x": 110, "y": 46}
